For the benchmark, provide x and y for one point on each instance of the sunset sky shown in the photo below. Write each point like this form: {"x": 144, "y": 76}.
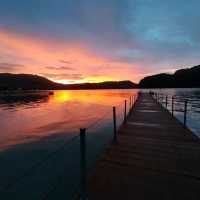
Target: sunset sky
{"x": 98, "y": 40}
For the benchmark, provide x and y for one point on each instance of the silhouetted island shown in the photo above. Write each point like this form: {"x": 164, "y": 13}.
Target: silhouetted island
{"x": 184, "y": 78}
{"x": 33, "y": 82}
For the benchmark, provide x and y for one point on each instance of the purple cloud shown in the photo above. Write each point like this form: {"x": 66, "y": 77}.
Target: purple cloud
{"x": 62, "y": 68}
{"x": 10, "y": 66}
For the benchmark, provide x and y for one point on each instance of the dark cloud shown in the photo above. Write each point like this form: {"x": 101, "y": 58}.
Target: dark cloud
{"x": 7, "y": 67}
{"x": 96, "y": 23}
{"x": 167, "y": 32}
{"x": 63, "y": 76}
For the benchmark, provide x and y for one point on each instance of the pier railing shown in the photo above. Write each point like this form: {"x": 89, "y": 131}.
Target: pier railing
{"x": 174, "y": 104}
{"x": 84, "y": 148}
{"x": 128, "y": 108}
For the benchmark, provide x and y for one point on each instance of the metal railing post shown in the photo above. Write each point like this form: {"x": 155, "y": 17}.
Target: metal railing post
{"x": 114, "y": 126}
{"x": 83, "y": 190}
{"x": 125, "y": 111}
{"x": 172, "y": 105}
{"x": 185, "y": 114}
{"x": 166, "y": 101}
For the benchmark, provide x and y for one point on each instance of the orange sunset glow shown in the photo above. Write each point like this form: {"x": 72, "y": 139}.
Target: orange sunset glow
{"x": 62, "y": 62}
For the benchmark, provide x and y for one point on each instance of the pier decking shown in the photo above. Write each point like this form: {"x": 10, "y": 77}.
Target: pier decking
{"x": 155, "y": 158}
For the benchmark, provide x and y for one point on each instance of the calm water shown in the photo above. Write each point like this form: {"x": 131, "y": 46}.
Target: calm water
{"x": 193, "y": 98}
{"x": 39, "y": 143}
{"x": 36, "y": 115}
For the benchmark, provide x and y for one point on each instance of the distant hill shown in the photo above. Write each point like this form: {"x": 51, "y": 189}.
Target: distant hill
{"x": 32, "y": 82}
{"x": 104, "y": 85}
{"x": 24, "y": 81}
{"x": 184, "y": 78}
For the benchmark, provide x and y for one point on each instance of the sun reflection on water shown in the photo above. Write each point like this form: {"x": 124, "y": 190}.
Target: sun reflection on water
{"x": 62, "y": 113}
{"x": 61, "y": 96}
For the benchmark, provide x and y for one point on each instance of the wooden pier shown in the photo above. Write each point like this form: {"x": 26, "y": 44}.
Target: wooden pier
{"x": 156, "y": 158}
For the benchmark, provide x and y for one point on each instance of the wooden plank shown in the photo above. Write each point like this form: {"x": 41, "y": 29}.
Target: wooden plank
{"x": 155, "y": 158}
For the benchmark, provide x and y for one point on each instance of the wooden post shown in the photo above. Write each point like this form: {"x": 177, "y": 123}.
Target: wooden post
{"x": 185, "y": 114}
{"x": 125, "y": 111}
{"x": 83, "y": 192}
{"x": 133, "y": 101}
{"x": 172, "y": 105}
{"x": 161, "y": 99}
{"x": 114, "y": 125}
{"x": 130, "y": 106}
{"x": 166, "y": 102}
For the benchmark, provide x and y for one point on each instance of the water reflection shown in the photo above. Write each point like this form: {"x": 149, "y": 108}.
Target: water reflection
{"x": 32, "y": 132}
{"x": 35, "y": 140}
{"x": 29, "y": 116}
{"x": 15, "y": 99}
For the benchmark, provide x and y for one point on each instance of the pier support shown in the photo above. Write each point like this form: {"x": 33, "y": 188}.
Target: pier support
{"x": 125, "y": 105}
{"x": 83, "y": 190}
{"x": 185, "y": 114}
{"x": 166, "y": 101}
{"x": 114, "y": 126}
{"x": 172, "y": 105}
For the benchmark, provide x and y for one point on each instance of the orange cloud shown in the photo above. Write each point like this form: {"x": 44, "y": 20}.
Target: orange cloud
{"x": 35, "y": 53}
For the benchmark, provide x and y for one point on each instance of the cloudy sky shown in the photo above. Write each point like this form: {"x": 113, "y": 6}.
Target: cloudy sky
{"x": 96, "y": 40}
